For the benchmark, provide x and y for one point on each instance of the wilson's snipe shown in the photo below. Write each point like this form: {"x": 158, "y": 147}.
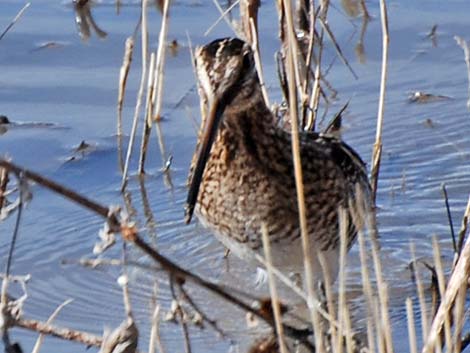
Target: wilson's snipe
{"x": 243, "y": 174}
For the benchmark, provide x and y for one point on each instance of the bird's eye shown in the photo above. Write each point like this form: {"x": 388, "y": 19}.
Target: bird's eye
{"x": 247, "y": 61}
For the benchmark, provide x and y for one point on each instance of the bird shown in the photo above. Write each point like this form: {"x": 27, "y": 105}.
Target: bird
{"x": 242, "y": 173}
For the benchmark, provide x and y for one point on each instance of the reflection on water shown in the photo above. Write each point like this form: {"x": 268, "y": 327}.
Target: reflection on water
{"x": 356, "y": 9}
{"x": 4, "y": 124}
{"x": 84, "y": 20}
{"x": 75, "y": 86}
{"x": 432, "y": 35}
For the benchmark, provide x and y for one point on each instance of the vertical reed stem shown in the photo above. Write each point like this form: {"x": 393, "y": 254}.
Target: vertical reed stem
{"x": 442, "y": 286}
{"x": 140, "y": 93}
{"x": 291, "y": 59}
{"x": 411, "y": 326}
{"x": 123, "y": 74}
{"x": 273, "y": 290}
{"x": 377, "y": 152}
{"x": 457, "y": 279}
{"x": 147, "y": 126}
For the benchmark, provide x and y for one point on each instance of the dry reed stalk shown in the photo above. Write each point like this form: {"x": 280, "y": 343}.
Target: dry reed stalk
{"x": 203, "y": 103}
{"x": 177, "y": 310}
{"x": 281, "y": 19}
{"x": 442, "y": 286}
{"x": 23, "y": 195}
{"x": 259, "y": 67}
{"x": 449, "y": 216}
{"x": 273, "y": 290}
{"x": 150, "y": 222}
{"x": 63, "y": 333}
{"x": 315, "y": 95}
{"x": 463, "y": 230}
{"x": 383, "y": 320}
{"x": 291, "y": 55}
{"x": 379, "y": 329}
{"x": 158, "y": 80}
{"x": 202, "y": 316}
{"x": 139, "y": 94}
{"x": 327, "y": 315}
{"x": 300, "y": 69}
{"x": 284, "y": 279}
{"x": 185, "y": 332}
{"x": 147, "y": 126}
{"x": 49, "y": 321}
{"x": 464, "y": 45}
{"x": 183, "y": 274}
{"x": 382, "y": 288}
{"x": 155, "y": 340}
{"x": 224, "y": 16}
{"x": 305, "y": 54}
{"x": 123, "y": 74}
{"x": 342, "y": 306}
{"x": 328, "y": 285}
{"x": 308, "y": 61}
{"x": 377, "y": 151}
{"x": 249, "y": 12}
{"x": 458, "y": 278}
{"x": 221, "y": 17}
{"x": 3, "y": 186}
{"x": 371, "y": 312}
{"x": 459, "y": 318}
{"x": 97, "y": 263}
{"x": 130, "y": 235}
{"x": 370, "y": 335}
{"x": 166, "y": 159}
{"x": 359, "y": 48}
{"x": 12, "y": 23}
{"x": 311, "y": 41}
{"x": 438, "y": 348}
{"x": 372, "y": 318}
{"x": 330, "y": 34}
{"x": 411, "y": 326}
{"x": 421, "y": 297}
{"x": 130, "y": 331}
{"x": 366, "y": 284}
{"x": 348, "y": 325}
{"x": 123, "y": 281}
{"x": 365, "y": 13}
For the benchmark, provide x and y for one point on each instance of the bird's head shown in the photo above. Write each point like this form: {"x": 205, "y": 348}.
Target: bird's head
{"x": 227, "y": 80}
{"x": 226, "y": 71}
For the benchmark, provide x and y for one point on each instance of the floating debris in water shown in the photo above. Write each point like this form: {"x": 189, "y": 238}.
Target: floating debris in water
{"x": 422, "y": 97}
{"x": 429, "y": 123}
{"x": 49, "y": 45}
{"x": 6, "y": 124}
{"x": 83, "y": 147}
{"x": 432, "y": 35}
{"x": 174, "y": 47}
{"x": 79, "y": 152}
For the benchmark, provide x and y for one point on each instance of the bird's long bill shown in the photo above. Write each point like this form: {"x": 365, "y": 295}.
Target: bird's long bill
{"x": 212, "y": 123}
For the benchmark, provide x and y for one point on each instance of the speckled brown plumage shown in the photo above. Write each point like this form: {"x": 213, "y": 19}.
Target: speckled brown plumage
{"x": 249, "y": 175}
